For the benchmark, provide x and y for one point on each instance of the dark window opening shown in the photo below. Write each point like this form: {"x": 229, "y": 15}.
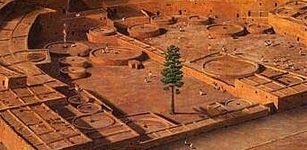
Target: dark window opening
{"x": 180, "y": 12}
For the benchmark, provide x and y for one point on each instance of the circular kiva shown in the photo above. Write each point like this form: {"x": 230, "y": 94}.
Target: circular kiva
{"x": 114, "y": 56}
{"x": 149, "y": 123}
{"x": 229, "y": 67}
{"x": 64, "y": 70}
{"x": 296, "y": 5}
{"x": 36, "y": 57}
{"x": 163, "y": 20}
{"x": 89, "y": 108}
{"x": 68, "y": 48}
{"x": 93, "y": 121}
{"x": 144, "y": 31}
{"x": 302, "y": 18}
{"x": 74, "y": 61}
{"x": 75, "y": 100}
{"x": 124, "y": 23}
{"x": 225, "y": 30}
{"x": 259, "y": 28}
{"x": 101, "y": 31}
{"x": 199, "y": 20}
{"x": 74, "y": 72}
{"x": 286, "y": 13}
{"x": 236, "y": 104}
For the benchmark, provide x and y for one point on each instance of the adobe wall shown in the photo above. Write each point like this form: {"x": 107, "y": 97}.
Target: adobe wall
{"x": 11, "y": 139}
{"x": 247, "y": 10}
{"x": 6, "y": 10}
{"x": 51, "y": 26}
{"x": 81, "y": 5}
{"x": 292, "y": 101}
{"x": 282, "y": 26}
{"x": 250, "y": 92}
{"x": 54, "y": 4}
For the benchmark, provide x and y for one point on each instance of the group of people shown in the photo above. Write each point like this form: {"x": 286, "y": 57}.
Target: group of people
{"x": 190, "y": 144}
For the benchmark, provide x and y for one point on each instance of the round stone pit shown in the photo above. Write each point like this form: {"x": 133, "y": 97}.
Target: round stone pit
{"x": 74, "y": 72}
{"x": 286, "y": 13}
{"x": 114, "y": 56}
{"x": 68, "y": 48}
{"x": 296, "y": 5}
{"x": 88, "y": 108}
{"x": 199, "y": 20}
{"x": 36, "y": 57}
{"x": 260, "y": 28}
{"x": 74, "y": 61}
{"x": 236, "y": 104}
{"x": 143, "y": 31}
{"x": 225, "y": 30}
{"x": 102, "y": 31}
{"x": 93, "y": 121}
{"x": 163, "y": 20}
{"x": 229, "y": 68}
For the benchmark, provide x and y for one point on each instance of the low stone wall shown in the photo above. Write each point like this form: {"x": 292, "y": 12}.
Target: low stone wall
{"x": 11, "y": 139}
{"x": 282, "y": 25}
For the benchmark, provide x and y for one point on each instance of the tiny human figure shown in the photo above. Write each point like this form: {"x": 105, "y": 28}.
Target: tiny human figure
{"x": 181, "y": 29}
{"x": 302, "y": 53}
{"x": 65, "y": 35}
{"x": 224, "y": 48}
{"x": 215, "y": 86}
{"x": 78, "y": 89}
{"x": 192, "y": 146}
{"x": 158, "y": 13}
{"x": 209, "y": 47}
{"x": 149, "y": 75}
{"x": 209, "y": 36}
{"x": 73, "y": 45}
{"x": 267, "y": 43}
{"x": 146, "y": 80}
{"x": 124, "y": 18}
{"x": 78, "y": 14}
{"x": 106, "y": 49}
{"x": 201, "y": 92}
{"x": 186, "y": 141}
{"x": 222, "y": 89}
{"x": 293, "y": 68}
{"x": 262, "y": 59}
{"x": 286, "y": 66}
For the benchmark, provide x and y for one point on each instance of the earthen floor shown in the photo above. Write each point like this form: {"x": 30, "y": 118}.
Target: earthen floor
{"x": 115, "y": 85}
{"x": 194, "y": 42}
{"x": 282, "y": 131}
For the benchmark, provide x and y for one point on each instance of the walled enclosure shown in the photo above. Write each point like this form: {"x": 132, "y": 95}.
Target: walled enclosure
{"x": 72, "y": 72}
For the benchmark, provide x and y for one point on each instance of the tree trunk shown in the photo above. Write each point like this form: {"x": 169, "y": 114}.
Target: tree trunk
{"x": 172, "y": 105}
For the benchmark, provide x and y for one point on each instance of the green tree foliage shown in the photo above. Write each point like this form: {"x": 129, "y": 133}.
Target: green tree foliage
{"x": 171, "y": 73}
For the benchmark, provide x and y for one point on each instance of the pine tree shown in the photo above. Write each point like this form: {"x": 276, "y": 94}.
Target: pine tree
{"x": 172, "y": 74}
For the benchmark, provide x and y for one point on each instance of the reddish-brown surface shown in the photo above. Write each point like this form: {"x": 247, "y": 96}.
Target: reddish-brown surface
{"x": 231, "y": 75}
{"x": 285, "y": 131}
{"x": 145, "y": 97}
